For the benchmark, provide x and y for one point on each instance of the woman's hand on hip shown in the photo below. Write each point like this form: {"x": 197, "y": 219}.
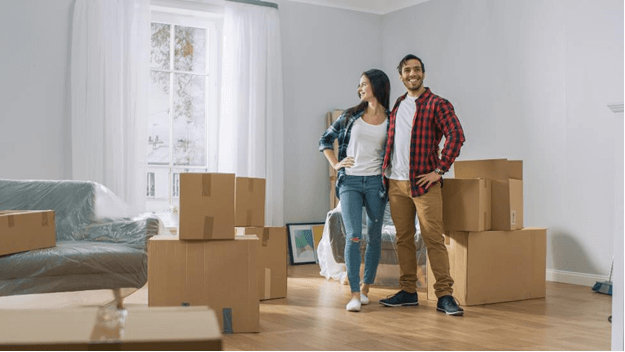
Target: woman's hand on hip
{"x": 346, "y": 162}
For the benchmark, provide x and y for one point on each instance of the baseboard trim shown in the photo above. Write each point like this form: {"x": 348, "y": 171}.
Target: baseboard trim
{"x": 569, "y": 277}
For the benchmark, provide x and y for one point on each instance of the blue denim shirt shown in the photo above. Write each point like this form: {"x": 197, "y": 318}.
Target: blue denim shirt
{"x": 342, "y": 129}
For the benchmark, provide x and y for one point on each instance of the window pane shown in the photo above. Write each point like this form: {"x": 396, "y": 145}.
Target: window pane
{"x": 160, "y": 45}
{"x": 189, "y": 120}
{"x": 190, "y": 49}
{"x": 150, "y": 183}
{"x": 158, "y": 124}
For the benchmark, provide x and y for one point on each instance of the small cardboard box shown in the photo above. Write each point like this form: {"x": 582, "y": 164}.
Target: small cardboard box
{"x": 220, "y": 274}
{"x": 492, "y": 169}
{"x": 249, "y": 202}
{"x": 467, "y": 204}
{"x": 272, "y": 260}
{"x": 495, "y": 266}
{"x": 25, "y": 230}
{"x": 180, "y": 328}
{"x": 206, "y": 206}
{"x": 507, "y": 205}
{"x": 507, "y": 189}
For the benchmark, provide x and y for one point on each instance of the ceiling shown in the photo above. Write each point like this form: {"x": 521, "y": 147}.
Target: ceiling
{"x": 379, "y": 7}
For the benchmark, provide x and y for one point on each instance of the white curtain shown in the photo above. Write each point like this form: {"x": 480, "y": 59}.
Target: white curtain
{"x": 109, "y": 87}
{"x": 251, "y": 121}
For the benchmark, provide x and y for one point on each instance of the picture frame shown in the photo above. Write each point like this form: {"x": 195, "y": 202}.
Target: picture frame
{"x": 301, "y": 238}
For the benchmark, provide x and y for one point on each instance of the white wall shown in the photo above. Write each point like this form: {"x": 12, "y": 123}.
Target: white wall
{"x": 530, "y": 80}
{"x": 324, "y": 52}
{"x": 34, "y": 80}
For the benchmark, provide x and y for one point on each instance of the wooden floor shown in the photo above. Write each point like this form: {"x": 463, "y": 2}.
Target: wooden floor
{"x": 313, "y": 317}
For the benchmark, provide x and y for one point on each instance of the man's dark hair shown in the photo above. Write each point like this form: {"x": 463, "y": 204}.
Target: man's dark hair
{"x": 405, "y": 59}
{"x": 381, "y": 87}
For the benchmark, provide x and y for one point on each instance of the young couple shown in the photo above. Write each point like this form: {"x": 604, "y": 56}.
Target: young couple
{"x": 395, "y": 153}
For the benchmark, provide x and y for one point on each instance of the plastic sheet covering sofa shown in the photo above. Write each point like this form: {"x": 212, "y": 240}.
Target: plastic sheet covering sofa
{"x": 100, "y": 244}
{"x": 331, "y": 248}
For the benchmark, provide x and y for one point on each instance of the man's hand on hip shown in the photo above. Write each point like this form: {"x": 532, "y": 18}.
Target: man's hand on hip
{"x": 428, "y": 179}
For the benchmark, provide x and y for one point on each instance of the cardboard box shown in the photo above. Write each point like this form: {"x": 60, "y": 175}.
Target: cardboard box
{"x": 334, "y": 200}
{"x": 495, "y": 266}
{"x": 331, "y": 117}
{"x": 507, "y": 189}
{"x": 492, "y": 169}
{"x": 249, "y": 202}
{"x": 507, "y": 205}
{"x": 467, "y": 204}
{"x": 25, "y": 230}
{"x": 180, "y": 328}
{"x": 206, "y": 206}
{"x": 220, "y": 274}
{"x": 272, "y": 260}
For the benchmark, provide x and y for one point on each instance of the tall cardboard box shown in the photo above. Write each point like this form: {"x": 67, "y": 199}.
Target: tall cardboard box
{"x": 25, "y": 230}
{"x": 507, "y": 188}
{"x": 222, "y": 275}
{"x": 249, "y": 202}
{"x": 467, "y": 204}
{"x": 272, "y": 260}
{"x": 495, "y": 266}
{"x": 206, "y": 206}
{"x": 180, "y": 328}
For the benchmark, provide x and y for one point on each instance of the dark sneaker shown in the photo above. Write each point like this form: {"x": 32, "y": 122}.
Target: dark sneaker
{"x": 449, "y": 305}
{"x": 401, "y": 298}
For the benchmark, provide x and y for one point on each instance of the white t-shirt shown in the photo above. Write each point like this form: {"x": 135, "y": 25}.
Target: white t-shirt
{"x": 366, "y": 145}
{"x": 400, "y": 155}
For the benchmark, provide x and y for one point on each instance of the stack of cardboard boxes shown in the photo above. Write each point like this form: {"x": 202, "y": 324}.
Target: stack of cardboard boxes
{"x": 493, "y": 258}
{"x": 224, "y": 257}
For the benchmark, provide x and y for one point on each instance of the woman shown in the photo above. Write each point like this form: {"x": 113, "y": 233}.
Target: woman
{"x": 361, "y": 131}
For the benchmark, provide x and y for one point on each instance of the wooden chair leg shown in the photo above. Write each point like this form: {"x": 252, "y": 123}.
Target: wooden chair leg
{"x": 117, "y": 292}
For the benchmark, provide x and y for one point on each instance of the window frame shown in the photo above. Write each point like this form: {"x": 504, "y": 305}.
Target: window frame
{"x": 213, "y": 22}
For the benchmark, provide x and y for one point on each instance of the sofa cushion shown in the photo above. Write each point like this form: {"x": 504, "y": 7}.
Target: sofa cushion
{"x": 73, "y": 258}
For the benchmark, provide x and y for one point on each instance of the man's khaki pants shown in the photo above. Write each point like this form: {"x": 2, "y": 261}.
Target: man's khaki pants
{"x": 429, "y": 208}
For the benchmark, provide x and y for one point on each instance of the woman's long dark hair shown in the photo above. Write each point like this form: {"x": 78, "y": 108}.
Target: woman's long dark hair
{"x": 381, "y": 88}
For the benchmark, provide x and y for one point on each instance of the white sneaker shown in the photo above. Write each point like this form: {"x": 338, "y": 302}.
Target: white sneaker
{"x": 353, "y": 305}
{"x": 364, "y": 300}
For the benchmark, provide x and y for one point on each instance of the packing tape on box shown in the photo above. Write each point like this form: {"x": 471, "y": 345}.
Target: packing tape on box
{"x": 44, "y": 219}
{"x": 11, "y": 220}
{"x": 109, "y": 326}
{"x": 209, "y": 222}
{"x": 265, "y": 236}
{"x": 250, "y": 214}
{"x": 227, "y": 319}
{"x": 267, "y": 283}
{"x": 206, "y": 185}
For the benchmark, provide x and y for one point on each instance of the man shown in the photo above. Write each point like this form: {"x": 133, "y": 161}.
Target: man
{"x": 413, "y": 171}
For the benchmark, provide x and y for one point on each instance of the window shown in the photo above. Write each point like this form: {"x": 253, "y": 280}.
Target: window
{"x": 183, "y": 102}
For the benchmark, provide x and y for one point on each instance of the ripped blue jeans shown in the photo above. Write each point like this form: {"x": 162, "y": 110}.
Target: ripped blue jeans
{"x": 356, "y": 192}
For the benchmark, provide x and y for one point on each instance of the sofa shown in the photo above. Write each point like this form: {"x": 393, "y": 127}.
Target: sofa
{"x": 101, "y": 243}
{"x": 331, "y": 248}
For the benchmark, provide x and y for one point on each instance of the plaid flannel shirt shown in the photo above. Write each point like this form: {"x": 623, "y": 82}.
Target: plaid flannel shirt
{"x": 434, "y": 117}
{"x": 342, "y": 129}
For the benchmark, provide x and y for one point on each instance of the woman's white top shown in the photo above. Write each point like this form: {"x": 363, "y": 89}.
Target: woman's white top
{"x": 366, "y": 146}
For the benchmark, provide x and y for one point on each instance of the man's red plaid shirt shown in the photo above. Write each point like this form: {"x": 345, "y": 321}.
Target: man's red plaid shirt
{"x": 434, "y": 118}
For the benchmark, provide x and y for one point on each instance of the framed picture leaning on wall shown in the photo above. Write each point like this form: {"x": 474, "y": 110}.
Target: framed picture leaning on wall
{"x": 302, "y": 243}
